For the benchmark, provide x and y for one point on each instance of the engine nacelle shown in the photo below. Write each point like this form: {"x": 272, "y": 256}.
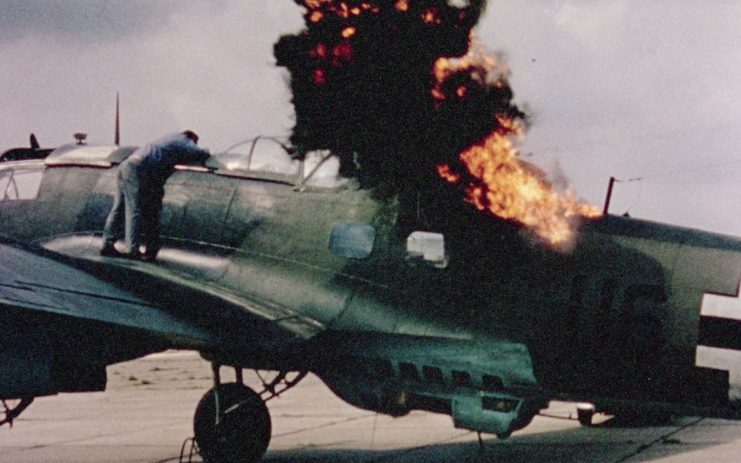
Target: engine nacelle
{"x": 369, "y": 393}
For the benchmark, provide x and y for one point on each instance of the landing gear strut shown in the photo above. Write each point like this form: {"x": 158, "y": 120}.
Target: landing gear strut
{"x": 12, "y": 413}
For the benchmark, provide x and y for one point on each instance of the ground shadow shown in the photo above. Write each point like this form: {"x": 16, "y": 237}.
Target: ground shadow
{"x": 586, "y": 445}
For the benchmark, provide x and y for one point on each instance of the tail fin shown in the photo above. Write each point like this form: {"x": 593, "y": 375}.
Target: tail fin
{"x": 34, "y": 142}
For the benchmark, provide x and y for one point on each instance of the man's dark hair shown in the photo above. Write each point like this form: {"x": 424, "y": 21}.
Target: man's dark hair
{"x": 192, "y": 135}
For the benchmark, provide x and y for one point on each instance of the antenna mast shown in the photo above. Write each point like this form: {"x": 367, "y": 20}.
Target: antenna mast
{"x": 117, "y": 136}
{"x": 609, "y": 195}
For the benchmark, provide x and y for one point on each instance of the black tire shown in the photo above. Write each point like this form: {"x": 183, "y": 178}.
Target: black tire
{"x": 243, "y": 432}
{"x": 585, "y": 416}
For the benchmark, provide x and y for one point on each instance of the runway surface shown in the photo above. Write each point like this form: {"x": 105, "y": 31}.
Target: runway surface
{"x": 146, "y": 415}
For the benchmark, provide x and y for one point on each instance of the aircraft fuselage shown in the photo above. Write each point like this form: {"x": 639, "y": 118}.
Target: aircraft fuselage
{"x": 620, "y": 317}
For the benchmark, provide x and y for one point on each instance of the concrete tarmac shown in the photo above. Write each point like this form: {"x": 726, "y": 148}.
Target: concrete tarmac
{"x": 146, "y": 416}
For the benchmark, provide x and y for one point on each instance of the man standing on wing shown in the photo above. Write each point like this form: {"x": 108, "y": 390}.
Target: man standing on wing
{"x": 140, "y": 190}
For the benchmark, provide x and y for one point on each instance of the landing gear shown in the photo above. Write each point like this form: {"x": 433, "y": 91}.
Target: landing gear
{"x": 585, "y": 413}
{"x": 12, "y": 413}
{"x": 232, "y": 425}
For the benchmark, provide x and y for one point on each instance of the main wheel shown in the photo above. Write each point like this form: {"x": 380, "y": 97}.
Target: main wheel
{"x": 241, "y": 433}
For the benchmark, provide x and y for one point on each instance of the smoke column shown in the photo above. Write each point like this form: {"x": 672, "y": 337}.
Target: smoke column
{"x": 396, "y": 90}
{"x": 364, "y": 86}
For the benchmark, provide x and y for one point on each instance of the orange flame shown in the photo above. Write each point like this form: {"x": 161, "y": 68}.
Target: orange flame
{"x": 402, "y": 5}
{"x": 502, "y": 184}
{"x": 341, "y": 9}
{"x": 482, "y": 67}
{"x": 316, "y": 16}
{"x": 447, "y": 173}
{"x": 431, "y": 16}
{"x": 509, "y": 189}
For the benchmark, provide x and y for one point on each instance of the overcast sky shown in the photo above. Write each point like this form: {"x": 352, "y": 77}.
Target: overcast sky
{"x": 624, "y": 88}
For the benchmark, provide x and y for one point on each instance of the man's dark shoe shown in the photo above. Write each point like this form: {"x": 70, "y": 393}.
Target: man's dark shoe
{"x": 109, "y": 251}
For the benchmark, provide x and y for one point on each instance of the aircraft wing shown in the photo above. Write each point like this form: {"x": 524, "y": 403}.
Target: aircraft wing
{"x": 35, "y": 280}
{"x": 64, "y": 320}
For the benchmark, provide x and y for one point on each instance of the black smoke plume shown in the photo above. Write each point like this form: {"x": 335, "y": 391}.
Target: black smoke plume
{"x": 362, "y": 81}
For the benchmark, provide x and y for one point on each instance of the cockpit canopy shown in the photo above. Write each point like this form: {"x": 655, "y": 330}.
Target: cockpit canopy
{"x": 268, "y": 158}
{"x": 263, "y": 158}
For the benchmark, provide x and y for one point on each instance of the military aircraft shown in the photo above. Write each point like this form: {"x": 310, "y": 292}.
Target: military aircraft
{"x": 397, "y": 301}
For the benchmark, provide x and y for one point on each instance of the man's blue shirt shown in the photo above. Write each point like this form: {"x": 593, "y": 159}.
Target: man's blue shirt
{"x": 160, "y": 157}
